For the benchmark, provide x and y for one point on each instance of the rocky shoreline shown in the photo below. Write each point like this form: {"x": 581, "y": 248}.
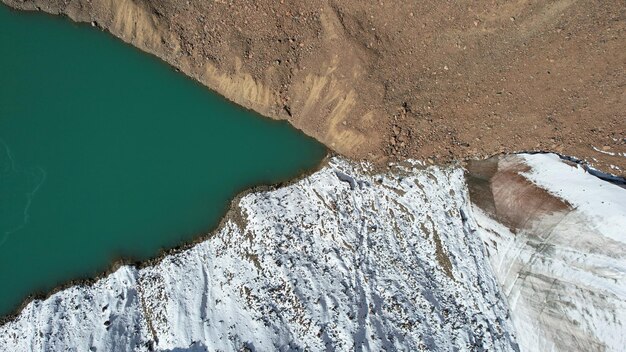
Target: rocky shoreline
{"x": 387, "y": 82}
{"x": 232, "y": 214}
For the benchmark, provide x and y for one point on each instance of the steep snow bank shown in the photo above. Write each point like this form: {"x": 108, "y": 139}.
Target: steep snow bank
{"x": 343, "y": 259}
{"x": 562, "y": 263}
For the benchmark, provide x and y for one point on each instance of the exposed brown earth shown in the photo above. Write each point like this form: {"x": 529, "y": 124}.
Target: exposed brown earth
{"x": 390, "y": 80}
{"x": 498, "y": 187}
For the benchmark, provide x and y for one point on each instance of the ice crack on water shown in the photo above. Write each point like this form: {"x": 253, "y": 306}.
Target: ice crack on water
{"x": 18, "y": 187}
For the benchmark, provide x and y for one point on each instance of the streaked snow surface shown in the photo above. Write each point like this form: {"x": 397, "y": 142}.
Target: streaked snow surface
{"x": 564, "y": 272}
{"x": 347, "y": 259}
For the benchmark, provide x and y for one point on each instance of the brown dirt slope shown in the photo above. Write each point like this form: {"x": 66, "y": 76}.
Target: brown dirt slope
{"x": 388, "y": 79}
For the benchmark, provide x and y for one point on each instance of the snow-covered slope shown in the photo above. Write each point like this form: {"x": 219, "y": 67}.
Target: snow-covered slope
{"x": 347, "y": 259}
{"x": 562, "y": 262}
{"x": 344, "y": 259}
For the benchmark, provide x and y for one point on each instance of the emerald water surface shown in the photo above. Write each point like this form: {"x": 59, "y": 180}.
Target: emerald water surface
{"x": 107, "y": 152}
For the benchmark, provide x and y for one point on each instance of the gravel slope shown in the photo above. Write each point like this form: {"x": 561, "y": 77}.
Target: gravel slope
{"x": 389, "y": 80}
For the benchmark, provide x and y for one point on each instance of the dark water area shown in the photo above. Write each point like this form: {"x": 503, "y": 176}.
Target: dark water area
{"x": 106, "y": 152}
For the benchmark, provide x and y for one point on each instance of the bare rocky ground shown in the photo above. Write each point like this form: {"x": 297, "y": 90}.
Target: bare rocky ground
{"x": 392, "y": 80}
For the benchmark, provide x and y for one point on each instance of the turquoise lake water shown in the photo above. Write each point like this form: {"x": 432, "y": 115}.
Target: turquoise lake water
{"x": 106, "y": 152}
